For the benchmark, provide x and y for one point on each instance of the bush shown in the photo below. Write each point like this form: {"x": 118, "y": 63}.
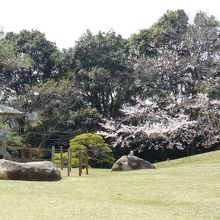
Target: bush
{"x": 98, "y": 151}
{"x": 74, "y": 159}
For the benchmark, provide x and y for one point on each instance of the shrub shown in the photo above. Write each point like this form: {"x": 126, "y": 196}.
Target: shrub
{"x": 98, "y": 151}
{"x": 74, "y": 159}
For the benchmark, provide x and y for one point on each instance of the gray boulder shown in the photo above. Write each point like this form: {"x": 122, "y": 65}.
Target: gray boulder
{"x": 33, "y": 171}
{"x": 131, "y": 162}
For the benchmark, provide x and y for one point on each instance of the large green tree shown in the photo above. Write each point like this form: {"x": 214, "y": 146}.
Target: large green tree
{"x": 185, "y": 68}
{"x": 44, "y": 54}
{"x": 104, "y": 76}
{"x": 168, "y": 30}
{"x": 10, "y": 63}
{"x": 54, "y": 112}
{"x": 105, "y": 50}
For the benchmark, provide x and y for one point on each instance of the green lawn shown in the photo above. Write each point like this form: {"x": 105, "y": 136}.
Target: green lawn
{"x": 186, "y": 189}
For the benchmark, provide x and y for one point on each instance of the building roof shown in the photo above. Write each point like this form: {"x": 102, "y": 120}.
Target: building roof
{"x": 5, "y": 110}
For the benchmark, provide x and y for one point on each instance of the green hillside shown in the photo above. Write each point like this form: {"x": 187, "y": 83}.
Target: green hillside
{"x": 206, "y": 158}
{"x": 180, "y": 189}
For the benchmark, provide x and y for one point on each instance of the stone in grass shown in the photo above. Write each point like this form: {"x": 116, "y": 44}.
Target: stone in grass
{"x": 32, "y": 171}
{"x": 131, "y": 162}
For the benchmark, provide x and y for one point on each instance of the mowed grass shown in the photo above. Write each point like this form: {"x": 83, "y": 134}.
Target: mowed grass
{"x": 186, "y": 189}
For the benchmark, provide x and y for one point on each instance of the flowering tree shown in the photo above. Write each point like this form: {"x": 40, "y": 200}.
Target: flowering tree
{"x": 178, "y": 110}
{"x": 188, "y": 127}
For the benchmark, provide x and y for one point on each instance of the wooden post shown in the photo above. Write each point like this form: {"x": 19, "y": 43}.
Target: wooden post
{"x": 4, "y": 150}
{"x": 70, "y": 159}
{"x": 39, "y": 152}
{"x": 80, "y": 162}
{"x": 87, "y": 164}
{"x": 61, "y": 157}
{"x": 30, "y": 152}
{"x": 52, "y": 154}
{"x": 69, "y": 162}
{"x": 22, "y": 153}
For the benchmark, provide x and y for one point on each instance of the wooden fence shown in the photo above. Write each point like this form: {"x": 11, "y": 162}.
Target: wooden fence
{"x": 28, "y": 154}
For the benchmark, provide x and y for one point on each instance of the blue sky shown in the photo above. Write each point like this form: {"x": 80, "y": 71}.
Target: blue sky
{"x": 64, "y": 21}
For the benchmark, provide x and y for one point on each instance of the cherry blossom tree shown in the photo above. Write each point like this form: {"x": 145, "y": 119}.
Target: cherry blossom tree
{"x": 188, "y": 127}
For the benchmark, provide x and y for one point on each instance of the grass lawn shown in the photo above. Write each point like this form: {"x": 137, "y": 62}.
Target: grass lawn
{"x": 186, "y": 189}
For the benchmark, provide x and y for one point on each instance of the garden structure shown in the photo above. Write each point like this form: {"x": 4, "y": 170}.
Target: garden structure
{"x": 6, "y": 111}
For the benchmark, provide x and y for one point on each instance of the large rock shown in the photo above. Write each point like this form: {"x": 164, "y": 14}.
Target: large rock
{"x": 126, "y": 163}
{"x": 33, "y": 171}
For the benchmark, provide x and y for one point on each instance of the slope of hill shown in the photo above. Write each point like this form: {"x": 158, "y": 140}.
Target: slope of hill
{"x": 206, "y": 158}
{"x": 183, "y": 189}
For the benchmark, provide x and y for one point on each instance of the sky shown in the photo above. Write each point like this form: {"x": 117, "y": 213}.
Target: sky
{"x": 64, "y": 21}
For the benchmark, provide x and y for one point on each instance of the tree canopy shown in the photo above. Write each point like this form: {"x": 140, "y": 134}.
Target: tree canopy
{"x": 156, "y": 92}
